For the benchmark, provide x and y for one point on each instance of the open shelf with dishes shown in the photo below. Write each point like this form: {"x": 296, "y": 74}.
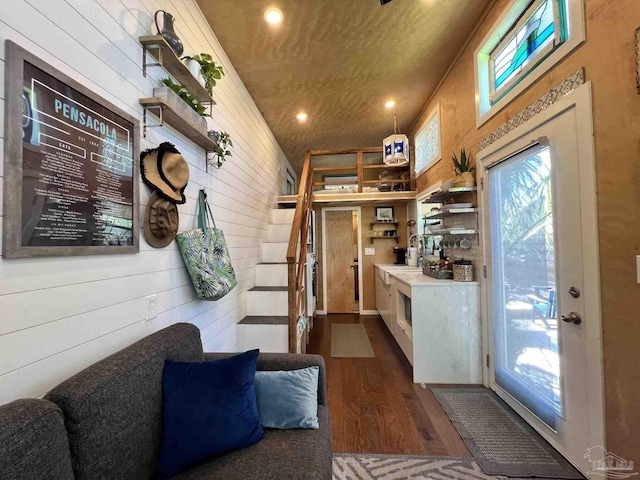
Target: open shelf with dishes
{"x": 396, "y": 238}
{"x": 457, "y": 220}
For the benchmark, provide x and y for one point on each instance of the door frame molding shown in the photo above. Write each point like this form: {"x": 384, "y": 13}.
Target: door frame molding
{"x": 581, "y": 100}
{"x": 324, "y": 254}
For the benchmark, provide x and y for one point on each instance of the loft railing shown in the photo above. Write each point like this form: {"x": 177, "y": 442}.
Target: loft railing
{"x": 297, "y": 250}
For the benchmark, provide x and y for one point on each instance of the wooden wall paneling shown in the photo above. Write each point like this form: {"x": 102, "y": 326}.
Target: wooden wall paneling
{"x": 609, "y": 61}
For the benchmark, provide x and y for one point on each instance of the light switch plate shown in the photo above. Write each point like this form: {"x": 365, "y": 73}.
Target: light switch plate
{"x": 150, "y": 307}
{"x": 370, "y": 251}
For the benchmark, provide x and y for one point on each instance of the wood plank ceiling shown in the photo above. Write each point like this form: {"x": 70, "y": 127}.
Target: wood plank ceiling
{"x": 340, "y": 61}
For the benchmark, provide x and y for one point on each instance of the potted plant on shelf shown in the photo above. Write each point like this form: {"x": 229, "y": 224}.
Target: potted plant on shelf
{"x": 184, "y": 94}
{"x": 222, "y": 149}
{"x": 194, "y": 68}
{"x": 209, "y": 69}
{"x": 464, "y": 170}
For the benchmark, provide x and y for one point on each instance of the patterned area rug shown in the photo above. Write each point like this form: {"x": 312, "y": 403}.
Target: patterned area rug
{"x": 501, "y": 442}
{"x": 404, "y": 467}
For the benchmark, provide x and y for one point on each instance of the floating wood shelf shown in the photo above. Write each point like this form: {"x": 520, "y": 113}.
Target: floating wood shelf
{"x": 383, "y": 223}
{"x": 159, "y": 49}
{"x": 172, "y": 110}
{"x": 371, "y": 239}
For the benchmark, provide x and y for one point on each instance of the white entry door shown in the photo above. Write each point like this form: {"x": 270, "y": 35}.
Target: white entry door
{"x": 542, "y": 296}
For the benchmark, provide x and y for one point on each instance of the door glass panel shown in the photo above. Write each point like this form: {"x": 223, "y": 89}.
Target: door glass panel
{"x": 527, "y": 361}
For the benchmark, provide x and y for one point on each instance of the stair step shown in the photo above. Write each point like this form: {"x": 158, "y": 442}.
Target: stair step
{"x": 267, "y": 337}
{"x": 282, "y": 216}
{"x": 274, "y": 252}
{"x": 265, "y": 320}
{"x": 267, "y": 301}
{"x": 279, "y": 233}
{"x": 271, "y": 275}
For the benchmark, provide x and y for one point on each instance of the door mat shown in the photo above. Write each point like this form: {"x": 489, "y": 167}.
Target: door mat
{"x": 350, "y": 340}
{"x": 501, "y": 442}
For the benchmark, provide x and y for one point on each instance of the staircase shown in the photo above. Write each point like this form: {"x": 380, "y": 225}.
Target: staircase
{"x": 266, "y": 325}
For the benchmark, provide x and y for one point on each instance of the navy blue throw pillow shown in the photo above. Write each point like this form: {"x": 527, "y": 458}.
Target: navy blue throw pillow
{"x": 209, "y": 408}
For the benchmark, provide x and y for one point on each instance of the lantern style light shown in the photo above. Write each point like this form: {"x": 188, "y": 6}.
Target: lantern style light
{"x": 396, "y": 146}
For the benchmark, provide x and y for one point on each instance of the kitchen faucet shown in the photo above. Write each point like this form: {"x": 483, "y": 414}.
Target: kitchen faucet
{"x": 420, "y": 240}
{"x": 420, "y": 245}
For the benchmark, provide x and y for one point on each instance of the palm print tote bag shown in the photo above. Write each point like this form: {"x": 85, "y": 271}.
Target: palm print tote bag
{"x": 206, "y": 256}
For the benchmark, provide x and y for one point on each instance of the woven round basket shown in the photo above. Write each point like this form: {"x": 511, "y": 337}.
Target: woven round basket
{"x": 465, "y": 179}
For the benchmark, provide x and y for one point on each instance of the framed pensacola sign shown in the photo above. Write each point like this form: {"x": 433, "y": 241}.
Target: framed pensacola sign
{"x": 70, "y": 166}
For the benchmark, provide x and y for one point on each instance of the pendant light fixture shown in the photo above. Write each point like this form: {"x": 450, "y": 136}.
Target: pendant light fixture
{"x": 396, "y": 146}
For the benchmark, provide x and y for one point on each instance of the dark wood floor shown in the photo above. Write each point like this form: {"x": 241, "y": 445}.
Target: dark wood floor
{"x": 374, "y": 405}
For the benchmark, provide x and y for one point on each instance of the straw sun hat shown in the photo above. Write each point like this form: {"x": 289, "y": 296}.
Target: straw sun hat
{"x": 166, "y": 171}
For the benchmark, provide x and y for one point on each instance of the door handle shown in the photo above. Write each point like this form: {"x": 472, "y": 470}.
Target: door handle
{"x": 573, "y": 317}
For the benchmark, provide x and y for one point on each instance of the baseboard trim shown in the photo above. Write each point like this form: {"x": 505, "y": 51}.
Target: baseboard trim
{"x": 369, "y": 312}
{"x": 321, "y": 312}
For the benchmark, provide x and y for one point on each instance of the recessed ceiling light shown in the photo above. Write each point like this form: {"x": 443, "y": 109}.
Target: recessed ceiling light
{"x": 273, "y": 16}
{"x": 390, "y": 104}
{"x": 302, "y": 117}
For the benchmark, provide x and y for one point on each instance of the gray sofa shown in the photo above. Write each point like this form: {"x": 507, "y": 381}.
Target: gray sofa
{"x": 106, "y": 422}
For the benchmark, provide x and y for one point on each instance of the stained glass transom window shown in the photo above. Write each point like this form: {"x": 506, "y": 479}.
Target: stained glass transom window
{"x": 536, "y": 33}
{"x": 428, "y": 142}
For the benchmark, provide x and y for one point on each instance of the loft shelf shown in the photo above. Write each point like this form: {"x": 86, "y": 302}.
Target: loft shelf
{"x": 393, "y": 181}
{"x": 383, "y": 166}
{"x": 336, "y": 169}
{"x": 165, "y": 57}
{"x": 446, "y": 213}
{"x": 170, "y": 109}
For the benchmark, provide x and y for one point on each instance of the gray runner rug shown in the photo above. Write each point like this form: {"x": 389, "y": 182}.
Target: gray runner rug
{"x": 501, "y": 442}
{"x": 350, "y": 340}
{"x": 368, "y": 466}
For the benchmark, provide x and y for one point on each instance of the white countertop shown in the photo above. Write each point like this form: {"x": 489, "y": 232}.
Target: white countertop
{"x": 414, "y": 277}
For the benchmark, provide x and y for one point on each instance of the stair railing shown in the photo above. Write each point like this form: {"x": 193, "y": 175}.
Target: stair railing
{"x": 297, "y": 250}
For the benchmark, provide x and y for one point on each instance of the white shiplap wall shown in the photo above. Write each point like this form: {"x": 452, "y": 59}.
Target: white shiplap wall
{"x": 58, "y": 315}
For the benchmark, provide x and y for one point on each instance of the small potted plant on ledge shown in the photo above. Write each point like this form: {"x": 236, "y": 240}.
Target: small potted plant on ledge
{"x": 464, "y": 170}
{"x": 222, "y": 150}
{"x": 184, "y": 94}
{"x": 209, "y": 69}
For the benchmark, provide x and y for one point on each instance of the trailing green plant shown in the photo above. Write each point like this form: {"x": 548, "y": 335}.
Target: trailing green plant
{"x": 464, "y": 164}
{"x": 223, "y": 147}
{"x": 211, "y": 71}
{"x": 184, "y": 94}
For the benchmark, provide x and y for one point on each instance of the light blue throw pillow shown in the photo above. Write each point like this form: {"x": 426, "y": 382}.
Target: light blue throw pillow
{"x": 288, "y": 399}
